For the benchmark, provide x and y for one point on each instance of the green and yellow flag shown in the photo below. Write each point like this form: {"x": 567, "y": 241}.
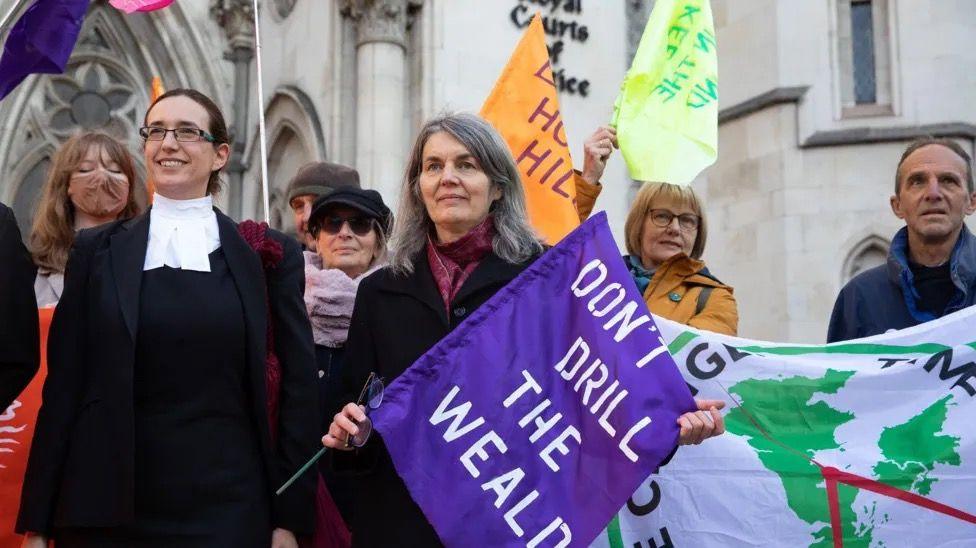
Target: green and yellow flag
{"x": 667, "y": 112}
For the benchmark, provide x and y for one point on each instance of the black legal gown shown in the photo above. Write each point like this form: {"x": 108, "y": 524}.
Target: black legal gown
{"x": 199, "y": 478}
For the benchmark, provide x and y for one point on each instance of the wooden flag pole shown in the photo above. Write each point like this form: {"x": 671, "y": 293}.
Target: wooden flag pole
{"x": 261, "y": 133}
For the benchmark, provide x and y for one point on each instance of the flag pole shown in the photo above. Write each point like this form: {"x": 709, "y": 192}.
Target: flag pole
{"x": 10, "y": 14}
{"x": 261, "y": 134}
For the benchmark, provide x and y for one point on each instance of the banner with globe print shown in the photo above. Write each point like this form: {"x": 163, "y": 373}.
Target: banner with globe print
{"x": 866, "y": 443}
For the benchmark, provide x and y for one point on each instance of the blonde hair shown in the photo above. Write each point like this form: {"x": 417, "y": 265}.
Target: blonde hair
{"x": 651, "y": 196}
{"x": 53, "y": 230}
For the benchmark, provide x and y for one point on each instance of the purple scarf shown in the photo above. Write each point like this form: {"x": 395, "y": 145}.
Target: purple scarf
{"x": 452, "y": 263}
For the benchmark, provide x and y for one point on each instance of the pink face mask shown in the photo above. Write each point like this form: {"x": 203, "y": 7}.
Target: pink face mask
{"x": 99, "y": 193}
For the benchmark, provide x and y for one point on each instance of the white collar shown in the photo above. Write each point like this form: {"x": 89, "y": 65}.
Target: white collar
{"x": 182, "y": 233}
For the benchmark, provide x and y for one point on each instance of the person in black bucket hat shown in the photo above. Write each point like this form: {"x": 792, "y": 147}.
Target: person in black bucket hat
{"x": 350, "y": 227}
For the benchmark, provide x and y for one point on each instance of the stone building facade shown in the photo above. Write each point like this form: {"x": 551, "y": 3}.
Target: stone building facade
{"x": 818, "y": 99}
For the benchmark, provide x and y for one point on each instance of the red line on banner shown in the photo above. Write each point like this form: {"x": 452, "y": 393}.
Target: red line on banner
{"x": 834, "y": 504}
{"x": 832, "y": 476}
{"x": 860, "y": 482}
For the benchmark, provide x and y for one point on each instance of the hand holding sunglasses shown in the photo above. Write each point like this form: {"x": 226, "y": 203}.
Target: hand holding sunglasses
{"x": 350, "y": 428}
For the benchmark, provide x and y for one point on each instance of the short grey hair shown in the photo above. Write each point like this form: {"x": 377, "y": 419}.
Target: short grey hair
{"x": 947, "y": 143}
{"x": 515, "y": 241}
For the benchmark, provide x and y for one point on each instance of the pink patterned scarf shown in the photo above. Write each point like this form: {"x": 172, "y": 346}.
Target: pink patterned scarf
{"x": 329, "y": 297}
{"x": 452, "y": 264}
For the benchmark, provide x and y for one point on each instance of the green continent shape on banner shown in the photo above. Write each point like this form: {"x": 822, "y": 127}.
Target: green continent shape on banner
{"x": 782, "y": 407}
{"x": 914, "y": 448}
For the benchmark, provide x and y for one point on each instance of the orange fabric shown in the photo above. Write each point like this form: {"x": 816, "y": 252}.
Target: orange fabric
{"x": 524, "y": 108}
{"x": 157, "y": 88}
{"x": 16, "y": 432}
{"x": 673, "y": 294}
{"x": 586, "y": 195}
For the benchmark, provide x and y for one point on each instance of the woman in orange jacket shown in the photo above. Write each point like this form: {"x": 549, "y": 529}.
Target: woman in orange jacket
{"x": 665, "y": 237}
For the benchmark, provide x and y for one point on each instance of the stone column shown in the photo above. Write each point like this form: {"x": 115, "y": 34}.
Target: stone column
{"x": 236, "y": 17}
{"x": 381, "y": 34}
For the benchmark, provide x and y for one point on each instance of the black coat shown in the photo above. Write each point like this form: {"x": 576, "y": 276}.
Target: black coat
{"x": 81, "y": 466}
{"x": 396, "y": 319}
{"x": 19, "y": 345}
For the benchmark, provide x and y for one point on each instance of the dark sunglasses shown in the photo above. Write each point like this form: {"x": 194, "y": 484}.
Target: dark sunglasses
{"x": 360, "y": 226}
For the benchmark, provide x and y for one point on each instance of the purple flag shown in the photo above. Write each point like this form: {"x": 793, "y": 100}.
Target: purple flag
{"x": 534, "y": 420}
{"x": 41, "y": 41}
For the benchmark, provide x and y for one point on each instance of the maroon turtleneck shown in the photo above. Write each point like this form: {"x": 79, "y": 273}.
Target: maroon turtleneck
{"x": 452, "y": 263}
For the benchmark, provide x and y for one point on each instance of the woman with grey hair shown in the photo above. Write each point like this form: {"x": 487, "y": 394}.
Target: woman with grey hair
{"x": 461, "y": 234}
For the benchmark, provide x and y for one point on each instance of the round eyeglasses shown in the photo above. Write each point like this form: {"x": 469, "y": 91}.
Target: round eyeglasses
{"x": 663, "y": 218}
{"x": 182, "y": 134}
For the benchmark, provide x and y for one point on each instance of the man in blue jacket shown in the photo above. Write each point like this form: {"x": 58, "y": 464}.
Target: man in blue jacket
{"x": 931, "y": 268}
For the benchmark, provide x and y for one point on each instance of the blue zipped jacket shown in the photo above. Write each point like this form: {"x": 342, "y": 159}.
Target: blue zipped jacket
{"x": 884, "y": 297}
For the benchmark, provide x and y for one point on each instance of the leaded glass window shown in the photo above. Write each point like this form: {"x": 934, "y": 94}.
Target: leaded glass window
{"x": 862, "y": 43}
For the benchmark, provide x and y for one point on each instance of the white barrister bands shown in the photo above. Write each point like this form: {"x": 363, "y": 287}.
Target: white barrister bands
{"x": 182, "y": 233}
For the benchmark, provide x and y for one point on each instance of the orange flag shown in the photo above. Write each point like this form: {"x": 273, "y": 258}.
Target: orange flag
{"x": 157, "y": 87}
{"x": 16, "y": 432}
{"x": 157, "y": 90}
{"x": 524, "y": 108}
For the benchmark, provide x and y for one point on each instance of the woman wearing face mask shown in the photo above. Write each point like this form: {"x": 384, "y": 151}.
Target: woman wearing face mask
{"x": 350, "y": 227}
{"x": 156, "y": 425}
{"x": 91, "y": 182}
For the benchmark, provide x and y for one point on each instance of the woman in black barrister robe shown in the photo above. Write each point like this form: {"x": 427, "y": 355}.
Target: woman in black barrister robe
{"x": 155, "y": 428}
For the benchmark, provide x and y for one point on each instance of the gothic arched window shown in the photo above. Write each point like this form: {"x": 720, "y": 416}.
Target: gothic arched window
{"x": 105, "y": 87}
{"x": 286, "y": 155}
{"x": 868, "y": 253}
{"x": 92, "y": 95}
{"x": 283, "y": 8}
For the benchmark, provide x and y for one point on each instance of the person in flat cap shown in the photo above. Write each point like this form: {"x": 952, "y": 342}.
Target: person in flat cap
{"x": 350, "y": 228}
{"x": 312, "y": 181}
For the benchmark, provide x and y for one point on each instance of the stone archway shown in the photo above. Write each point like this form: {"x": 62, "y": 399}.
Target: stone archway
{"x": 295, "y": 138}
{"x": 105, "y": 87}
{"x": 868, "y": 253}
{"x": 286, "y": 154}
